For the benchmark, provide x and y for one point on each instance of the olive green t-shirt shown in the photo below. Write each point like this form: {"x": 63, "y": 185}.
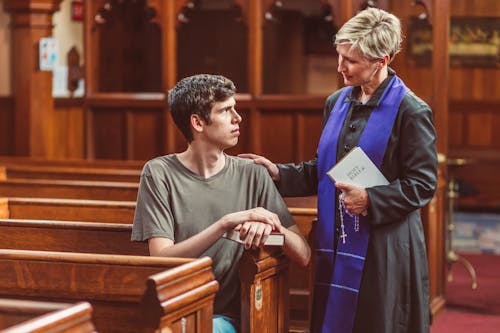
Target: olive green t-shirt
{"x": 175, "y": 203}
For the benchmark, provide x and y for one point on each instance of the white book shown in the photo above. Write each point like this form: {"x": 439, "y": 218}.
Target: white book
{"x": 274, "y": 239}
{"x": 356, "y": 168}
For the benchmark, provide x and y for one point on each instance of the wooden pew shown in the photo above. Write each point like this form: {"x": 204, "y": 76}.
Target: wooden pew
{"x": 69, "y": 189}
{"x": 69, "y": 172}
{"x": 22, "y": 316}
{"x": 70, "y": 236}
{"x": 68, "y": 209}
{"x": 86, "y": 163}
{"x": 128, "y": 293}
{"x": 302, "y": 284}
{"x": 262, "y": 273}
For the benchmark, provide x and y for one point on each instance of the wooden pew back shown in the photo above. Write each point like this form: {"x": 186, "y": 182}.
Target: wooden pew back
{"x": 178, "y": 290}
{"x": 69, "y": 189}
{"x": 86, "y": 163}
{"x": 70, "y": 236}
{"x": 21, "y": 316}
{"x": 14, "y": 171}
{"x": 68, "y": 209}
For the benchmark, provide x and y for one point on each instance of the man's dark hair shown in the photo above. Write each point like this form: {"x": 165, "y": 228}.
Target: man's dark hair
{"x": 197, "y": 94}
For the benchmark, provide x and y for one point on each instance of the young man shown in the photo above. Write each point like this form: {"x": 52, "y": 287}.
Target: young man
{"x": 187, "y": 201}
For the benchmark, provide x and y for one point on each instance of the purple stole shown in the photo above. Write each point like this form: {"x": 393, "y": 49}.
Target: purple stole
{"x": 338, "y": 276}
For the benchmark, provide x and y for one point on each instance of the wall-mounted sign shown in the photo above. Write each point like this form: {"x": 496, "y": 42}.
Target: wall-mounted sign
{"x": 77, "y": 10}
{"x": 48, "y": 49}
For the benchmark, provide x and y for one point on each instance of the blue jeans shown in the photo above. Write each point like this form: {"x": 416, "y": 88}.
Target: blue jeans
{"x": 222, "y": 324}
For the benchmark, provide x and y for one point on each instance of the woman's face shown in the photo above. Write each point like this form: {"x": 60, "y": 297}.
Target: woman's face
{"x": 355, "y": 68}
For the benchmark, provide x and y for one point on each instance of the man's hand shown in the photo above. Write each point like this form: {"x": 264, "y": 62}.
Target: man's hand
{"x": 355, "y": 198}
{"x": 254, "y": 234}
{"x": 261, "y": 160}
{"x": 259, "y": 214}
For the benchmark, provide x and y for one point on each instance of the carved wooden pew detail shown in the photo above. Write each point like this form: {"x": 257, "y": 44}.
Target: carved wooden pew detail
{"x": 22, "y": 316}
{"x": 115, "y": 285}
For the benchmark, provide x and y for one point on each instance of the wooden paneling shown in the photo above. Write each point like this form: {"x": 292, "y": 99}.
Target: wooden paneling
{"x": 144, "y": 134}
{"x": 6, "y": 125}
{"x": 474, "y": 136}
{"x": 109, "y": 133}
{"x": 277, "y": 128}
{"x": 220, "y": 48}
{"x": 69, "y": 129}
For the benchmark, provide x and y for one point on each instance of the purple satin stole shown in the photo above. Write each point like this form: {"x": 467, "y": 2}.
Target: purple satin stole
{"x": 338, "y": 275}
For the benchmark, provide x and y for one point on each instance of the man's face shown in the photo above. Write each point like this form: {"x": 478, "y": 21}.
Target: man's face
{"x": 224, "y": 129}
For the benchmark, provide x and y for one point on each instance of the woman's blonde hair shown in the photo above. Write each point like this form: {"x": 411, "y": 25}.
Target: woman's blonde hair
{"x": 374, "y": 32}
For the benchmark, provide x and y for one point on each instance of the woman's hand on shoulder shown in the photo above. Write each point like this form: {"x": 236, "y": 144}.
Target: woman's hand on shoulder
{"x": 261, "y": 160}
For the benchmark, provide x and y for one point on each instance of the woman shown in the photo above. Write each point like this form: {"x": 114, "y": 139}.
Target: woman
{"x": 375, "y": 279}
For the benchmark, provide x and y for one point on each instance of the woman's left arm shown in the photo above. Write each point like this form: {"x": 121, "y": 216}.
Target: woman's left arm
{"x": 415, "y": 175}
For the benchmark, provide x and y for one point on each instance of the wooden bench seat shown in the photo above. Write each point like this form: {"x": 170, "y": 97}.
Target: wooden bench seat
{"x": 127, "y": 293}
{"x": 69, "y": 172}
{"x": 22, "y": 316}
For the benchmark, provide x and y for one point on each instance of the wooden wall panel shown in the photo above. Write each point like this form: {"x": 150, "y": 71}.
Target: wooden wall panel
{"x": 311, "y": 134}
{"x": 456, "y": 129}
{"x": 277, "y": 133}
{"x": 69, "y": 129}
{"x": 109, "y": 133}
{"x": 479, "y": 145}
{"x": 465, "y": 83}
{"x": 6, "y": 125}
{"x": 145, "y": 134}
{"x": 479, "y": 130}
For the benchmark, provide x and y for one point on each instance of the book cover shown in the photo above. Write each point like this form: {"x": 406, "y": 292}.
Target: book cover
{"x": 356, "y": 168}
{"x": 274, "y": 239}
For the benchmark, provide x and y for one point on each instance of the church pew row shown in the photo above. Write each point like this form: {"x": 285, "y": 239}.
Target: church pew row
{"x": 94, "y": 190}
{"x": 70, "y": 236}
{"x": 23, "y": 316}
{"x": 69, "y": 172}
{"x": 68, "y": 209}
{"x": 301, "y": 285}
{"x": 69, "y": 189}
{"x": 85, "y": 163}
{"x": 262, "y": 273}
{"x": 127, "y": 293}
{"x": 109, "y": 211}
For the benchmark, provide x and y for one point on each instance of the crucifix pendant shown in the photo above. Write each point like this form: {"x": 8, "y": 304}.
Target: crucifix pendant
{"x": 343, "y": 235}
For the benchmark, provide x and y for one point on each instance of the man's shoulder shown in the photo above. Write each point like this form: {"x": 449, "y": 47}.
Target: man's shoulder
{"x": 159, "y": 163}
{"x": 245, "y": 164}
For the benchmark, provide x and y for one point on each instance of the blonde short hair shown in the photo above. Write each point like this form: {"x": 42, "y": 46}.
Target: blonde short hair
{"x": 374, "y": 32}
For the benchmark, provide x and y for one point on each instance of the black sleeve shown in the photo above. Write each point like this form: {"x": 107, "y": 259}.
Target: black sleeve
{"x": 415, "y": 184}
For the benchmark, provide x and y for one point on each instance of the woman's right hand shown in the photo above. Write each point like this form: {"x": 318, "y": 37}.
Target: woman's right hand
{"x": 270, "y": 166}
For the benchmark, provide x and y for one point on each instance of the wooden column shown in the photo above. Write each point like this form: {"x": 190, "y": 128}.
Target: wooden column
{"x": 34, "y": 105}
{"x": 440, "y": 18}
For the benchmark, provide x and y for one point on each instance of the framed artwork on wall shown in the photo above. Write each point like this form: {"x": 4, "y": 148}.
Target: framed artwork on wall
{"x": 474, "y": 42}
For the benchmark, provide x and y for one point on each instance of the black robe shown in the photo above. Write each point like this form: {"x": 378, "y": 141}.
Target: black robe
{"x": 394, "y": 291}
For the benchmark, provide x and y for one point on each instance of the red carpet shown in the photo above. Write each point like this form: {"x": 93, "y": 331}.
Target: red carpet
{"x": 467, "y": 310}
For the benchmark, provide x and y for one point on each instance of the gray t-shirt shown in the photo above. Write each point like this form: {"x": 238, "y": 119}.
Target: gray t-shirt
{"x": 175, "y": 203}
